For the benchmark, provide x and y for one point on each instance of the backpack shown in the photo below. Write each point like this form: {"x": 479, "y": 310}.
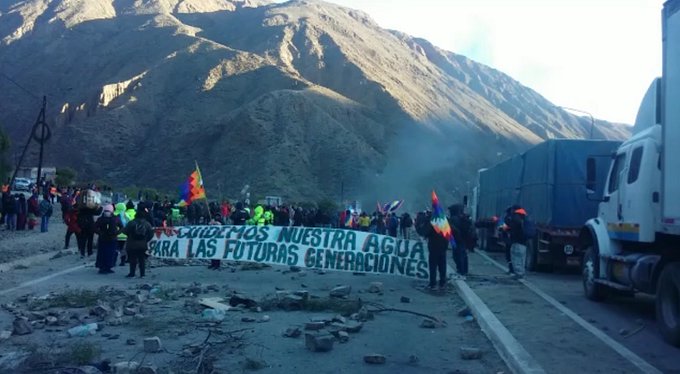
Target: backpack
{"x": 138, "y": 230}
{"x": 109, "y": 227}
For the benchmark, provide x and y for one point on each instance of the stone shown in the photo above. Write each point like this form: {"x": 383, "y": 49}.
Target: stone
{"x": 623, "y": 332}
{"x": 364, "y": 314}
{"x": 292, "y": 332}
{"x": 469, "y": 353}
{"x": 35, "y": 316}
{"x": 341, "y": 291}
{"x": 213, "y": 288}
{"x": 375, "y": 359}
{"x": 146, "y": 287}
{"x": 51, "y": 321}
{"x": 85, "y": 370}
{"x": 319, "y": 343}
{"x": 405, "y": 299}
{"x": 340, "y": 319}
{"x": 248, "y": 319}
{"x": 115, "y": 322}
{"x": 237, "y": 299}
{"x": 21, "y": 326}
{"x": 343, "y": 336}
{"x": 101, "y": 310}
{"x": 352, "y": 327}
{"x": 147, "y": 369}
{"x": 265, "y": 318}
{"x": 140, "y": 298}
{"x": 129, "y": 311}
{"x": 5, "y": 334}
{"x": 152, "y": 345}
{"x": 125, "y": 367}
{"x": 427, "y": 324}
{"x": 465, "y": 311}
{"x": 315, "y": 325}
{"x": 131, "y": 342}
{"x": 295, "y": 269}
{"x": 413, "y": 359}
{"x": 376, "y": 287}
{"x": 114, "y": 336}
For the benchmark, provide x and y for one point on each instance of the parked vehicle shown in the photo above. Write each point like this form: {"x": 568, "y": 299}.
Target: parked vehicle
{"x": 22, "y": 184}
{"x": 548, "y": 181}
{"x": 633, "y": 244}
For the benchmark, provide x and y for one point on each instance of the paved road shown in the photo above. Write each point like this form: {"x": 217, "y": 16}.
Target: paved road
{"x": 635, "y": 315}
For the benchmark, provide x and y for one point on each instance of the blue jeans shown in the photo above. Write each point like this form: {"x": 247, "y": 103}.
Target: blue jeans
{"x": 44, "y": 220}
{"x": 460, "y": 257}
{"x": 11, "y": 221}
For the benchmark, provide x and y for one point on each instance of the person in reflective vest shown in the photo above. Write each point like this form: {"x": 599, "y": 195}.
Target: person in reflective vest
{"x": 258, "y": 216}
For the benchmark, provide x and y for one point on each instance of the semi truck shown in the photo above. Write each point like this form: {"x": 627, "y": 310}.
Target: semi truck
{"x": 633, "y": 244}
{"x": 549, "y": 182}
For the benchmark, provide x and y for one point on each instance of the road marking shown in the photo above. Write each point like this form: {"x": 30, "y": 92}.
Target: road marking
{"x": 510, "y": 350}
{"x": 636, "y": 360}
{"x": 40, "y": 280}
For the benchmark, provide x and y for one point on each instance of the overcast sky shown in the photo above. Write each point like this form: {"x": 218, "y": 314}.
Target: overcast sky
{"x": 595, "y": 55}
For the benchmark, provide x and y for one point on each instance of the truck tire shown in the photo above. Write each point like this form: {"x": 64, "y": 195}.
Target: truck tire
{"x": 668, "y": 303}
{"x": 532, "y": 255}
{"x": 590, "y": 270}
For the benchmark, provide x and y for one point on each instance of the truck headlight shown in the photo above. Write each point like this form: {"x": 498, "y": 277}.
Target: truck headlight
{"x": 568, "y": 250}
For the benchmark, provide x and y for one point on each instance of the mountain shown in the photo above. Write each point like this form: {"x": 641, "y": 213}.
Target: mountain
{"x": 303, "y": 99}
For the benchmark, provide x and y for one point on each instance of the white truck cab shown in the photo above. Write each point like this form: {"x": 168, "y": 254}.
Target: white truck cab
{"x": 633, "y": 245}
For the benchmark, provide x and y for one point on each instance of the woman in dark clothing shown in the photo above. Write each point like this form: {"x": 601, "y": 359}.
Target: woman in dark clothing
{"x": 107, "y": 228}
{"x": 22, "y": 212}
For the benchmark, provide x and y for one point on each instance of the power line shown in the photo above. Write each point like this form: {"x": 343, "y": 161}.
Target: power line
{"x": 20, "y": 86}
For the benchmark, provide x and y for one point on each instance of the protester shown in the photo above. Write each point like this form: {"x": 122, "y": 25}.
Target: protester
{"x": 518, "y": 249}
{"x": 125, "y": 214}
{"x": 465, "y": 236}
{"x": 238, "y": 218}
{"x": 33, "y": 211}
{"x": 22, "y": 212}
{"x": 364, "y": 222}
{"x": 437, "y": 246}
{"x": 392, "y": 225}
{"x": 107, "y": 228}
{"x": 504, "y": 233}
{"x": 405, "y": 225}
{"x": 86, "y": 223}
{"x": 45, "y": 209}
{"x": 71, "y": 221}
{"x": 138, "y": 231}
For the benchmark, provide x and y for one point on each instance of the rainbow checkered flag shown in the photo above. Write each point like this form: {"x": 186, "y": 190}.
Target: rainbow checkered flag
{"x": 192, "y": 189}
{"x": 439, "y": 221}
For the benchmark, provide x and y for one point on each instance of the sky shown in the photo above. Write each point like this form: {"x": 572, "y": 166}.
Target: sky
{"x": 597, "y": 56}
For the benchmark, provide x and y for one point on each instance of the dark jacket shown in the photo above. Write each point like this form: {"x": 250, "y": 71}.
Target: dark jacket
{"x": 463, "y": 230}
{"x": 101, "y": 230}
{"x": 516, "y": 225}
{"x": 239, "y": 217}
{"x": 435, "y": 241}
{"x": 134, "y": 242}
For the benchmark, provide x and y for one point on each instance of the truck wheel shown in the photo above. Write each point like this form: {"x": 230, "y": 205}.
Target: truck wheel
{"x": 591, "y": 268}
{"x": 532, "y": 255}
{"x": 668, "y": 303}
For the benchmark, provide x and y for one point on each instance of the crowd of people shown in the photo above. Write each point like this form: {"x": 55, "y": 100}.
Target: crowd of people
{"x": 124, "y": 228}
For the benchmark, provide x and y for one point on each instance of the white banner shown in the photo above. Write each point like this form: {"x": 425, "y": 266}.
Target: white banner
{"x": 306, "y": 247}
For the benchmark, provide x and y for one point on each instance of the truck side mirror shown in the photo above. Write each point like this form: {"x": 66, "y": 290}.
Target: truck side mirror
{"x": 591, "y": 176}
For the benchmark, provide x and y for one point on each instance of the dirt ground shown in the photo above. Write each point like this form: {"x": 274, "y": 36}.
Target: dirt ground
{"x": 166, "y": 304}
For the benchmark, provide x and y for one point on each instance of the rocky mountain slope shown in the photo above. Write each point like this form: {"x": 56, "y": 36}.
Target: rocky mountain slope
{"x": 302, "y": 99}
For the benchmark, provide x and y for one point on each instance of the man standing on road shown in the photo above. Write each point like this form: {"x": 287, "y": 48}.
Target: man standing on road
{"x": 518, "y": 248}
{"x": 436, "y": 246}
{"x": 138, "y": 232}
{"x": 466, "y": 238}
{"x": 45, "y": 212}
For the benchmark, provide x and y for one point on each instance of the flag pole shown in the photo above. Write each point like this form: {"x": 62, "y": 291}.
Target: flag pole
{"x": 206, "y": 194}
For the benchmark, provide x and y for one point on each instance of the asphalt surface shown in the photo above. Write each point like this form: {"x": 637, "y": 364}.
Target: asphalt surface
{"x": 628, "y": 320}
